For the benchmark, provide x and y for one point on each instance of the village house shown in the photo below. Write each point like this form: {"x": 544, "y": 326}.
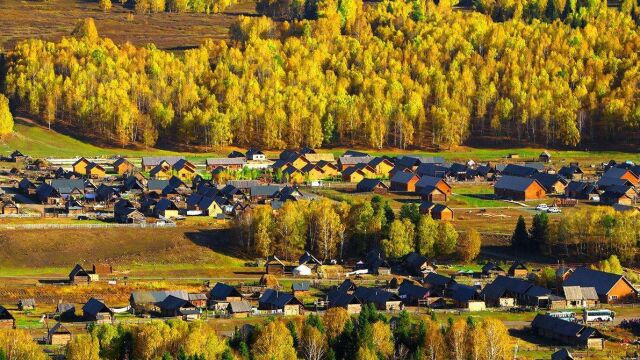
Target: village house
{"x": 80, "y": 166}
{"x": 567, "y": 333}
{"x": 611, "y": 288}
{"x": 518, "y": 170}
{"x": 65, "y": 312}
{"x": 79, "y": 276}
{"x": 337, "y": 298}
{"x": 345, "y": 162}
{"x": 166, "y": 208}
{"x": 73, "y": 207}
{"x": 412, "y": 294}
{"x": 255, "y": 155}
{"x": 17, "y": 156}
{"x": 571, "y": 172}
{"x": 95, "y": 310}
{"x": 95, "y": 171}
{"x": 619, "y": 194}
{"x": 26, "y": 304}
{"x": 618, "y": 173}
{"x": 518, "y": 269}
{"x": 491, "y": 269}
{"x": 438, "y": 284}
{"x": 544, "y": 157}
{"x": 417, "y": 264}
{"x": 150, "y": 162}
{"x": 162, "y": 171}
{"x": 309, "y": 260}
{"x": 404, "y": 182}
{"x": 173, "y": 306}
{"x": 27, "y": 187}
{"x": 433, "y": 189}
{"x": 329, "y": 169}
{"x": 233, "y": 164}
{"x": 466, "y": 297}
{"x": 282, "y": 302}
{"x": 353, "y": 175}
{"x": 519, "y": 188}
{"x": 581, "y": 190}
{"x": 8, "y": 207}
{"x": 552, "y": 183}
{"x": 436, "y": 211}
{"x": 148, "y": 301}
{"x": 184, "y": 169}
{"x": 382, "y": 299}
{"x": 205, "y": 205}
{"x": 123, "y": 166}
{"x": 239, "y": 309}
{"x": 562, "y": 354}
{"x": 382, "y": 166}
{"x": 508, "y": 291}
{"x": 372, "y": 185}
{"x": 58, "y": 335}
{"x": 300, "y": 288}
{"x": 580, "y": 297}
{"x": 274, "y": 266}
{"x": 374, "y": 263}
{"x": 313, "y": 172}
{"x": 124, "y": 212}
{"x": 48, "y": 195}
{"x": 222, "y": 294}
{"x": 7, "y": 321}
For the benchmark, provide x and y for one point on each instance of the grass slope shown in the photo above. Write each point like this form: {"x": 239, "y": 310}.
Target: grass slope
{"x": 176, "y": 251}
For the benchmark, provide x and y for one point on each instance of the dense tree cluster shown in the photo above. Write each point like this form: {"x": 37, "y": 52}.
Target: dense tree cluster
{"x": 593, "y": 233}
{"x": 6, "y": 119}
{"x": 333, "y": 230}
{"x": 398, "y": 74}
{"x": 199, "y": 6}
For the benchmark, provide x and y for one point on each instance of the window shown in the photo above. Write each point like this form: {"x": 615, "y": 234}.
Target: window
{"x": 614, "y": 297}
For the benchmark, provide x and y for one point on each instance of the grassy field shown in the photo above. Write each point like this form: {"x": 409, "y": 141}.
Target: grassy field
{"x": 179, "y": 252}
{"x": 51, "y": 20}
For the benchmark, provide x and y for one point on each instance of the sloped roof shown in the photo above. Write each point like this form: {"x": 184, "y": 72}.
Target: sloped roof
{"x": 370, "y": 184}
{"x": 156, "y": 160}
{"x": 66, "y": 186}
{"x": 491, "y": 266}
{"x": 426, "y": 181}
{"x": 341, "y": 299}
{"x": 408, "y": 289}
{"x": 353, "y": 160}
{"x": 300, "y": 286}
{"x": 239, "y": 306}
{"x": 155, "y": 297}
{"x": 403, "y": 177}
{"x": 265, "y": 190}
{"x": 616, "y": 172}
{"x": 58, "y": 328}
{"x": 307, "y": 258}
{"x": 436, "y": 279}
{"x": 173, "y": 303}
{"x": 221, "y": 291}
{"x": 569, "y": 171}
{"x": 225, "y": 161}
{"x": 277, "y": 298}
{"x": 354, "y": 153}
{"x": 503, "y": 284}
{"x": 562, "y": 354}
{"x": 463, "y": 293}
{"x": 78, "y": 270}
{"x": 515, "y": 183}
{"x": 602, "y": 281}
{"x": 549, "y": 180}
{"x": 5, "y": 314}
{"x": 374, "y": 295}
{"x": 580, "y": 293}
{"x": 346, "y": 286}
{"x": 581, "y": 187}
{"x": 557, "y": 326}
{"x": 433, "y": 170}
{"x": 519, "y": 170}
{"x": 414, "y": 260}
{"x": 95, "y": 306}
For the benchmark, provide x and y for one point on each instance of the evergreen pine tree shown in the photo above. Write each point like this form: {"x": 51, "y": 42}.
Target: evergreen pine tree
{"x": 520, "y": 237}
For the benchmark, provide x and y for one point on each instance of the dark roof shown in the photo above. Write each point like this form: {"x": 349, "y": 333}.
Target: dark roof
{"x": 602, "y": 281}
{"x": 346, "y": 286}
{"x": 563, "y": 328}
{"x": 165, "y": 204}
{"x": 615, "y": 172}
{"x": 605, "y": 182}
{"x": 436, "y": 279}
{"x": 581, "y": 187}
{"x": 265, "y": 190}
{"x": 5, "y": 314}
{"x": 95, "y": 306}
{"x": 414, "y": 261}
{"x": 221, "y": 291}
{"x": 341, "y": 299}
{"x": 519, "y": 170}
{"x": 515, "y": 183}
{"x": 503, "y": 284}
{"x": 66, "y": 186}
{"x": 174, "y": 303}
{"x": 569, "y": 171}
{"x": 402, "y": 177}
{"x": 277, "y": 298}
{"x": 429, "y": 181}
{"x": 410, "y": 290}
{"x": 374, "y": 295}
{"x": 518, "y": 265}
{"x": 562, "y": 354}
{"x": 378, "y": 160}
{"x": 549, "y": 180}
{"x": 156, "y": 160}
{"x": 491, "y": 267}
{"x": 433, "y": 170}
{"x": 366, "y": 185}
{"x": 307, "y": 258}
{"x": 156, "y": 297}
{"x": 78, "y": 270}
{"x": 235, "y": 154}
{"x": 355, "y": 153}
{"x": 463, "y": 293}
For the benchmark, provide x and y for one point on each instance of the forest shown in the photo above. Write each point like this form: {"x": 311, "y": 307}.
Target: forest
{"x": 333, "y": 336}
{"x": 390, "y": 74}
{"x": 331, "y": 230}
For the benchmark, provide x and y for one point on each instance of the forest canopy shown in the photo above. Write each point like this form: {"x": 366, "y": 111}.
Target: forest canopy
{"x": 398, "y": 74}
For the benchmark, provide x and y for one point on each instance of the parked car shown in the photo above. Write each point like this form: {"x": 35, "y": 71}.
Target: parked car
{"x": 554, "y": 210}
{"x": 542, "y": 207}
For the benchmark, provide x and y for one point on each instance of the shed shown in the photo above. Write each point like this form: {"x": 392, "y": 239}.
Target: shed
{"x": 58, "y": 335}
{"x": 96, "y": 310}
{"x": 372, "y": 185}
{"x": 544, "y": 157}
{"x": 274, "y": 266}
{"x": 279, "y": 301}
{"x": 239, "y": 309}
{"x": 519, "y": 188}
{"x": 26, "y": 304}
{"x": 301, "y": 270}
{"x": 7, "y": 321}
{"x": 404, "y": 182}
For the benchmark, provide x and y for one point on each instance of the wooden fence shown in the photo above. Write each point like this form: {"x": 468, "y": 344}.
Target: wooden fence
{"x": 84, "y": 226}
